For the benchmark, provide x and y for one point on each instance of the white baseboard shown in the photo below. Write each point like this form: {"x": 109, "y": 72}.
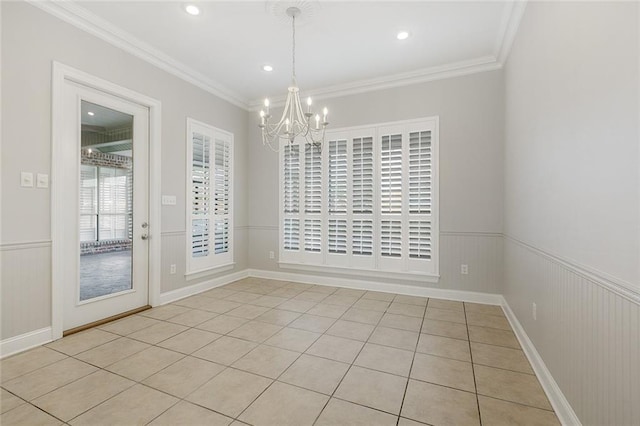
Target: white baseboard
{"x": 181, "y": 293}
{"x": 25, "y": 341}
{"x": 410, "y": 290}
{"x": 561, "y": 406}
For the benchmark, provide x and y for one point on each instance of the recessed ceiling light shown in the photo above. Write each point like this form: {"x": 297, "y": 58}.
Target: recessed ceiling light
{"x": 192, "y": 9}
{"x": 267, "y": 68}
{"x": 403, "y": 35}
{"x": 91, "y": 113}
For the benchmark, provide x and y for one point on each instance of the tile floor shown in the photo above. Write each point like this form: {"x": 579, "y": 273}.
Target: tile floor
{"x": 264, "y": 352}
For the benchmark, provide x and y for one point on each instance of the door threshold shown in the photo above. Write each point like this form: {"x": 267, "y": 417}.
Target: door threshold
{"x": 104, "y": 321}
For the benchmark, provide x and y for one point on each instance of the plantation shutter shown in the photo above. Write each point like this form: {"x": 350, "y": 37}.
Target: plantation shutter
{"x": 338, "y": 176}
{"x": 367, "y": 202}
{"x": 313, "y": 181}
{"x": 291, "y": 178}
{"x": 210, "y": 207}
{"x": 391, "y": 238}
{"x": 221, "y": 191}
{"x": 391, "y": 174}
{"x": 200, "y": 194}
{"x": 363, "y": 237}
{"x": 313, "y": 235}
{"x": 363, "y": 175}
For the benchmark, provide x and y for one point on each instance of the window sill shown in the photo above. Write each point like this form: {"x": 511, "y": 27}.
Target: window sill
{"x": 396, "y": 275}
{"x": 202, "y": 273}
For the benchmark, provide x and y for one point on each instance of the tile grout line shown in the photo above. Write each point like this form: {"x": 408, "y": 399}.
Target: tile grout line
{"x": 415, "y": 351}
{"x": 473, "y": 371}
{"x": 354, "y": 359}
{"x": 167, "y": 320}
{"x": 276, "y": 379}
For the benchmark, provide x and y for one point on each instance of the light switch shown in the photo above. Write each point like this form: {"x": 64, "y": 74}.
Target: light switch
{"x": 42, "y": 180}
{"x": 26, "y": 179}
{"x": 168, "y": 200}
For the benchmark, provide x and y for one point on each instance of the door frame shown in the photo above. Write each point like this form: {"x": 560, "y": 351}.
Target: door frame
{"x": 60, "y": 194}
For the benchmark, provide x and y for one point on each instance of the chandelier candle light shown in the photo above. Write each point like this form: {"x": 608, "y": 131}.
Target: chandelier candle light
{"x": 295, "y": 122}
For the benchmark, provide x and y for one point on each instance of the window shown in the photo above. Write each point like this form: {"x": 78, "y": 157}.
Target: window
{"x": 209, "y": 204}
{"x": 367, "y": 202}
{"x": 105, "y": 203}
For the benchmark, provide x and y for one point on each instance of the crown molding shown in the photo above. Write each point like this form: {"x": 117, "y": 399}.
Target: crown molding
{"x": 509, "y": 25}
{"x": 457, "y": 69}
{"x": 81, "y": 18}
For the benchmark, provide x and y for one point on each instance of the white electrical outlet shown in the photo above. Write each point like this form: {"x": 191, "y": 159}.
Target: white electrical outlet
{"x": 534, "y": 311}
{"x": 172, "y": 269}
{"x": 464, "y": 269}
{"x": 272, "y": 255}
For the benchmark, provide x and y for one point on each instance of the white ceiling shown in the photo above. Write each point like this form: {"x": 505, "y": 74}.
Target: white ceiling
{"x": 341, "y": 46}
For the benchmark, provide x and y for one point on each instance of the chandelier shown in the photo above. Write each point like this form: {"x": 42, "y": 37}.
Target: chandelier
{"x": 295, "y": 122}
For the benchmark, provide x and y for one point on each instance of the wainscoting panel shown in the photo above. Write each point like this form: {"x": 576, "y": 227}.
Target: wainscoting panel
{"x": 173, "y": 252}
{"x": 587, "y": 333}
{"x": 25, "y": 296}
{"x": 482, "y": 252}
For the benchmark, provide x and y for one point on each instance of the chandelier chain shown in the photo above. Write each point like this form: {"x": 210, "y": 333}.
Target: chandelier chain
{"x": 293, "y": 23}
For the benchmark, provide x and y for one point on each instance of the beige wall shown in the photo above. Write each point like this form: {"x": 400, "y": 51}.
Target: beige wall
{"x": 31, "y": 40}
{"x": 471, "y": 138}
{"x": 572, "y": 218}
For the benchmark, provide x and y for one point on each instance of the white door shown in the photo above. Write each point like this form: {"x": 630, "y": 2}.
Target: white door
{"x": 106, "y": 253}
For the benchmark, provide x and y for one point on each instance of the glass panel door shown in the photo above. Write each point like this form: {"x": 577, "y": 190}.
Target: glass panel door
{"x": 106, "y": 201}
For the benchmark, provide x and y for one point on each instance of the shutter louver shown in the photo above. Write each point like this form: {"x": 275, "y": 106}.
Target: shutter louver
{"x": 200, "y": 194}
{"x": 420, "y": 240}
{"x": 338, "y": 176}
{"x": 420, "y": 172}
{"x": 291, "y": 178}
{"x": 291, "y": 234}
{"x": 362, "y": 237}
{"x": 221, "y": 235}
{"x": 313, "y": 181}
{"x": 363, "y": 175}
{"x": 338, "y": 236}
{"x": 221, "y": 170}
{"x": 200, "y": 237}
{"x": 391, "y": 238}
{"x": 391, "y": 174}
{"x": 313, "y": 235}
{"x": 221, "y": 173}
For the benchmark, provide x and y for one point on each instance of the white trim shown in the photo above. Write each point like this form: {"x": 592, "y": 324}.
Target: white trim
{"x": 194, "y": 275}
{"x": 511, "y": 19}
{"x": 456, "y": 69}
{"x": 410, "y": 290}
{"x": 25, "y": 341}
{"x": 60, "y": 73}
{"x": 608, "y": 282}
{"x": 558, "y": 401}
{"x": 348, "y": 270}
{"x": 81, "y": 18}
{"x": 181, "y": 293}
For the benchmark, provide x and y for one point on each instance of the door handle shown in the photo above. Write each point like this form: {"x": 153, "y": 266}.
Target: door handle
{"x": 144, "y": 236}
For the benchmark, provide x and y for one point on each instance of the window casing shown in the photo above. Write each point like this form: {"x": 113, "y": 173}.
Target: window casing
{"x": 209, "y": 197}
{"x": 367, "y": 202}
